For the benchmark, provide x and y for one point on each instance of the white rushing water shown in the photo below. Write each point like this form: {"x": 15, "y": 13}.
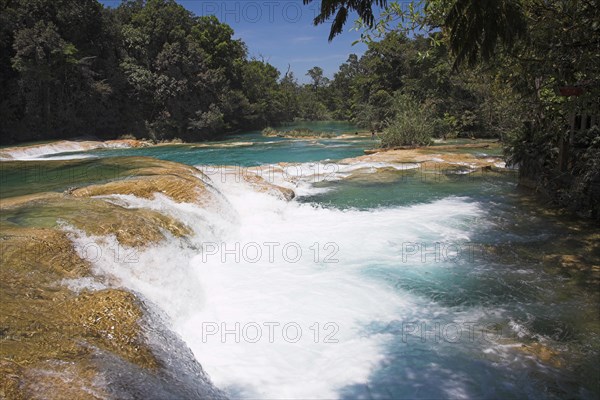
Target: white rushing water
{"x": 274, "y": 297}
{"x": 46, "y": 151}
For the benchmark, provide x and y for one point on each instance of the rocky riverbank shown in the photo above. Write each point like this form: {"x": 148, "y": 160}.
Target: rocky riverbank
{"x": 61, "y": 339}
{"x": 33, "y": 151}
{"x": 434, "y": 157}
{"x": 69, "y": 330}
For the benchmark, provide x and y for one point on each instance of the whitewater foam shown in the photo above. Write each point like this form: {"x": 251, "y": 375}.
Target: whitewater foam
{"x": 300, "y": 177}
{"x": 45, "y": 151}
{"x": 310, "y": 313}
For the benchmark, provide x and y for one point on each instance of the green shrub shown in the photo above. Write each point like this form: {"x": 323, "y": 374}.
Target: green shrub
{"x": 412, "y": 125}
{"x": 127, "y": 136}
{"x": 296, "y": 133}
{"x": 268, "y": 131}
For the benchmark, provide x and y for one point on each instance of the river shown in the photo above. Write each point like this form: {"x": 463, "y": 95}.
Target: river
{"x": 378, "y": 281}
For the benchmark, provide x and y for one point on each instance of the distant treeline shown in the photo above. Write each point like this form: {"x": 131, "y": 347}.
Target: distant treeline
{"x": 153, "y": 69}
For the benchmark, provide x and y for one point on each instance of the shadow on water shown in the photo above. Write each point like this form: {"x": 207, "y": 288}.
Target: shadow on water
{"x": 414, "y": 371}
{"x": 532, "y": 272}
{"x": 180, "y": 376}
{"x": 447, "y": 356}
{"x": 393, "y": 188}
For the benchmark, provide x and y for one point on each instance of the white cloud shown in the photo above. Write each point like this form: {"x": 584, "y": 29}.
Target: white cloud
{"x": 303, "y": 39}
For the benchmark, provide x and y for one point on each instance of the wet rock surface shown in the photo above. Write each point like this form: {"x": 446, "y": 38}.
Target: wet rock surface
{"x": 89, "y": 344}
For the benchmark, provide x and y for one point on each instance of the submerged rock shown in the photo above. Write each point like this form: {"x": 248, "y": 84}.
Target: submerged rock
{"x": 42, "y": 320}
{"x": 96, "y": 217}
{"x": 58, "y": 344}
{"x": 145, "y": 177}
{"x": 260, "y": 184}
{"x": 97, "y": 340}
{"x": 51, "y": 379}
{"x": 82, "y": 207}
{"x": 543, "y": 353}
{"x": 182, "y": 190}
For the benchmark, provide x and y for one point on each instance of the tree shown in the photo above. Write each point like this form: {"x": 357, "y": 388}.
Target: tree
{"x": 316, "y": 74}
{"x": 523, "y": 51}
{"x": 341, "y": 91}
{"x": 41, "y": 58}
{"x": 476, "y": 29}
{"x": 412, "y": 124}
{"x": 266, "y": 100}
{"x": 150, "y": 68}
{"x": 341, "y": 10}
{"x": 290, "y": 91}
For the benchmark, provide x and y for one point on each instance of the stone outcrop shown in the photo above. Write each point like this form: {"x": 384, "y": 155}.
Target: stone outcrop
{"x": 260, "y": 184}
{"x": 445, "y": 158}
{"x": 46, "y": 327}
{"x": 143, "y": 177}
{"x": 59, "y": 343}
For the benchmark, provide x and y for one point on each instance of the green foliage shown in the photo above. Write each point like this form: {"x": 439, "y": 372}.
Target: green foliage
{"x": 411, "y": 126}
{"x": 152, "y": 69}
{"x": 296, "y": 133}
{"x": 156, "y": 70}
{"x": 341, "y": 9}
{"x": 316, "y": 74}
{"x": 584, "y": 192}
{"x": 518, "y": 53}
{"x": 146, "y": 67}
{"x": 477, "y": 28}
{"x": 460, "y": 104}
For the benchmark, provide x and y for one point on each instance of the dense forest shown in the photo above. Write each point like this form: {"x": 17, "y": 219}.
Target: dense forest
{"x": 151, "y": 69}
{"x": 527, "y": 71}
{"x": 438, "y": 68}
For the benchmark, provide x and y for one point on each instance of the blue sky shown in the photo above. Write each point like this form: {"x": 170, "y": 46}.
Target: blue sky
{"x": 281, "y": 32}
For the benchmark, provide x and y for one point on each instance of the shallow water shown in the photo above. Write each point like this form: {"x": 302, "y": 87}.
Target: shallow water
{"x": 388, "y": 283}
{"x": 251, "y": 148}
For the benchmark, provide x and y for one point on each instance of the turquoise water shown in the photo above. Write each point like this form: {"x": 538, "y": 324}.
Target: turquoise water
{"x": 264, "y": 150}
{"x": 412, "y": 187}
{"x": 500, "y": 273}
{"x": 429, "y": 322}
{"x": 497, "y": 280}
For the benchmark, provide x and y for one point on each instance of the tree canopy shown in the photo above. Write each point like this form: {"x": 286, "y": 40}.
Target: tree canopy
{"x": 509, "y": 59}
{"x": 146, "y": 68}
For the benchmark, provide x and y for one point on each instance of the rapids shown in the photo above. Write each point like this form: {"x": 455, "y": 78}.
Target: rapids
{"x": 381, "y": 279}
